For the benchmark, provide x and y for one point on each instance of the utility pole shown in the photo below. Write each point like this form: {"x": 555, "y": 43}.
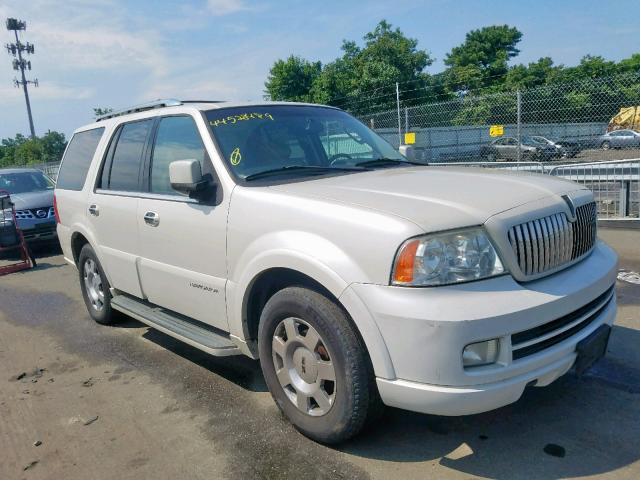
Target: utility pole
{"x": 20, "y": 64}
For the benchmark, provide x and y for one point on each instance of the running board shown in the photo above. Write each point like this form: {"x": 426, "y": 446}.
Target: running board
{"x": 196, "y": 334}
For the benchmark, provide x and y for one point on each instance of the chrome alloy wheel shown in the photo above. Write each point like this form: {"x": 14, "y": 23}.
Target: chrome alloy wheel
{"x": 304, "y": 366}
{"x": 93, "y": 284}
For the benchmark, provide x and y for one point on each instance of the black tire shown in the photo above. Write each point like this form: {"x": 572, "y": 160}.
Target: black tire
{"x": 355, "y": 391}
{"x": 104, "y": 315}
{"x": 605, "y": 145}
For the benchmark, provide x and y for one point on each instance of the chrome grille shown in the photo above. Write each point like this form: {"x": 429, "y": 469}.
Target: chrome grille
{"x": 546, "y": 243}
{"x": 32, "y": 214}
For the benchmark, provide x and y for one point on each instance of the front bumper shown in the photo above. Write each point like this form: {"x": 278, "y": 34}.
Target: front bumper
{"x": 425, "y": 330}
{"x": 38, "y": 230}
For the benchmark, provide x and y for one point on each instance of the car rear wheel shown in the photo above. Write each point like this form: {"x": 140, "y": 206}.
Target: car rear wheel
{"x": 605, "y": 145}
{"x": 315, "y": 365}
{"x": 95, "y": 287}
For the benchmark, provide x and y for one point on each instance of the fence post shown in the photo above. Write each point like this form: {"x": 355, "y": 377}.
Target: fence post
{"x": 406, "y": 119}
{"x": 399, "y": 122}
{"x": 519, "y": 120}
{"x": 625, "y": 197}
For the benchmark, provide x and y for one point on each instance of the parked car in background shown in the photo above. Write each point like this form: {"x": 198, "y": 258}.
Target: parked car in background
{"x": 572, "y": 147}
{"x": 555, "y": 149}
{"x": 619, "y": 139}
{"x": 506, "y": 149}
{"x": 32, "y": 194}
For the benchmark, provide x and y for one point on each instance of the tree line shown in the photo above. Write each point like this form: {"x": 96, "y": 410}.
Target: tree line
{"x": 362, "y": 80}
{"x": 21, "y": 150}
{"x": 24, "y": 151}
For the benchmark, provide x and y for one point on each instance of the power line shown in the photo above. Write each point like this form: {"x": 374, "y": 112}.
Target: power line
{"x": 20, "y": 64}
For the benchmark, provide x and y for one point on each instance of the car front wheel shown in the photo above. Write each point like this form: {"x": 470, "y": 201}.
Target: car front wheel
{"x": 315, "y": 365}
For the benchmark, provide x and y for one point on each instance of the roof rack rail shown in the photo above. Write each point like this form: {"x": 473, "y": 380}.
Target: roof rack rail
{"x": 203, "y": 101}
{"x": 167, "y": 102}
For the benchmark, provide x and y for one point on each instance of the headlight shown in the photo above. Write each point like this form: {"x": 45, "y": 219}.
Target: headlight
{"x": 6, "y": 218}
{"x": 446, "y": 258}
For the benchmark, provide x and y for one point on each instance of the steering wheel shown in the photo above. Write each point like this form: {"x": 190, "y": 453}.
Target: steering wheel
{"x": 335, "y": 159}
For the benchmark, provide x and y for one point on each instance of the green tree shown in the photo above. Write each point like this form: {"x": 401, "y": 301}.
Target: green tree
{"x": 21, "y": 150}
{"x": 481, "y": 61}
{"x": 535, "y": 74}
{"x": 292, "y": 79}
{"x": 629, "y": 65}
{"x": 53, "y": 144}
{"x": 365, "y": 76}
{"x": 99, "y": 111}
{"x": 370, "y": 71}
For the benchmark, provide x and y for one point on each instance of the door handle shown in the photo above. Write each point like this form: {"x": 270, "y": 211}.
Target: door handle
{"x": 94, "y": 210}
{"x": 152, "y": 219}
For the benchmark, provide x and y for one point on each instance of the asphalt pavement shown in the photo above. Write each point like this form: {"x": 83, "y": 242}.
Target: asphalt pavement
{"x": 80, "y": 400}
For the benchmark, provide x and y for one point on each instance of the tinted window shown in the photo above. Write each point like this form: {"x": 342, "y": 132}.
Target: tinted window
{"x": 177, "y": 139}
{"x": 24, "y": 182}
{"x": 77, "y": 159}
{"x": 127, "y": 155}
{"x": 277, "y": 137}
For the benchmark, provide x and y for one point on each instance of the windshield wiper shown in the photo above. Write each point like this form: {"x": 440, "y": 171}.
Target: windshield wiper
{"x": 382, "y": 162}
{"x": 314, "y": 170}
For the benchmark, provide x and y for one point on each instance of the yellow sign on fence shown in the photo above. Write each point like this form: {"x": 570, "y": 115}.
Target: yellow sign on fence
{"x": 496, "y": 130}
{"x": 409, "y": 138}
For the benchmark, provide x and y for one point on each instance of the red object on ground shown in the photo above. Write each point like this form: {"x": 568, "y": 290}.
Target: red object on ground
{"x": 11, "y": 238}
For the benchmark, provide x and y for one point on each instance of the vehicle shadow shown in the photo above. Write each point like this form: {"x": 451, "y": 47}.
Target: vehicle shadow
{"x": 240, "y": 370}
{"x": 573, "y": 427}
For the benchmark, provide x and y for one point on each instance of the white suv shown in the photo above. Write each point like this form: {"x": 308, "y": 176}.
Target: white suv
{"x": 293, "y": 234}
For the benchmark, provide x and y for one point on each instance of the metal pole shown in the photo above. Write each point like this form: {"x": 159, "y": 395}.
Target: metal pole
{"x": 625, "y": 198}
{"x": 399, "y": 123}
{"x": 406, "y": 119}
{"x": 24, "y": 86}
{"x": 519, "y": 103}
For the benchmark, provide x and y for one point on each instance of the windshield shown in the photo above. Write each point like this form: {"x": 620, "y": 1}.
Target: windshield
{"x": 25, "y": 182}
{"x": 296, "y": 141}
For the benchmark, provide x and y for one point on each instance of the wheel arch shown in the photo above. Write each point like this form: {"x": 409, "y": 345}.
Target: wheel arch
{"x": 78, "y": 240}
{"x": 265, "y": 283}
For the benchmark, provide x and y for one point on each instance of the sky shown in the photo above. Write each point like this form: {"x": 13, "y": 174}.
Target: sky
{"x": 117, "y": 53}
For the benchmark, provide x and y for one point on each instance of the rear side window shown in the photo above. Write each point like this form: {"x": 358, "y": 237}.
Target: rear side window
{"x": 177, "y": 139}
{"x": 77, "y": 159}
{"x": 124, "y": 167}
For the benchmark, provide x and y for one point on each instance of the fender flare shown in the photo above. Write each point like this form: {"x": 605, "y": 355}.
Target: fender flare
{"x": 237, "y": 298}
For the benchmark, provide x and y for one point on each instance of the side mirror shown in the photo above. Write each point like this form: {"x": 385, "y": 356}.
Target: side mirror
{"x": 186, "y": 176}
{"x": 408, "y": 152}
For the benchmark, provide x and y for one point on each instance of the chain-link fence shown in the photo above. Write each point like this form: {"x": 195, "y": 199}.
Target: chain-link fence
{"x": 587, "y": 120}
{"x": 573, "y": 127}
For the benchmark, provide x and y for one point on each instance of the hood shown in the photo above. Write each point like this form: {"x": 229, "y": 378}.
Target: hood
{"x": 435, "y": 198}
{"x": 23, "y": 201}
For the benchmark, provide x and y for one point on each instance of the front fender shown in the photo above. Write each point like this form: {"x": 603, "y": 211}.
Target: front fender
{"x": 313, "y": 262}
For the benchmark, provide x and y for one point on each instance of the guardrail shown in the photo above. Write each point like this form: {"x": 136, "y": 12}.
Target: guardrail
{"x": 615, "y": 184}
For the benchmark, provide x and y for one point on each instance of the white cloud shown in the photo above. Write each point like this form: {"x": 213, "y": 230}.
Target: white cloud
{"x": 99, "y": 47}
{"x": 45, "y": 92}
{"x": 225, "y": 7}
